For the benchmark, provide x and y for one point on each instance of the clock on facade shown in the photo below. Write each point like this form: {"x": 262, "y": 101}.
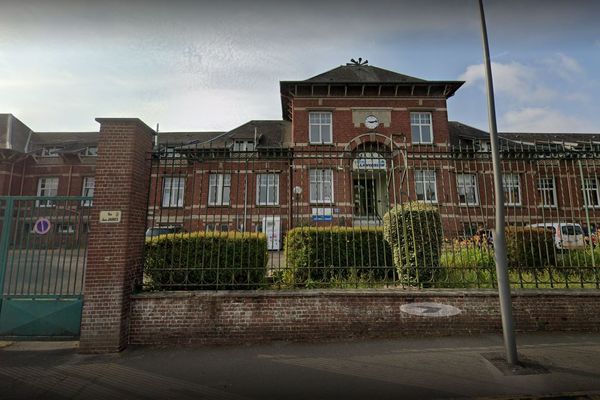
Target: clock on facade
{"x": 371, "y": 122}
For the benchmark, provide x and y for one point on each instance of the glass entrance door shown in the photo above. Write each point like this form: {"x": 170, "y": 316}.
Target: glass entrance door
{"x": 365, "y": 197}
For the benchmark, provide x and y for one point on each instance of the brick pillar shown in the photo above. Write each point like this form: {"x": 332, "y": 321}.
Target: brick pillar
{"x": 115, "y": 250}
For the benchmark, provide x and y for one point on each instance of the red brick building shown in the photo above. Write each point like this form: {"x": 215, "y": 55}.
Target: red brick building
{"x": 353, "y": 142}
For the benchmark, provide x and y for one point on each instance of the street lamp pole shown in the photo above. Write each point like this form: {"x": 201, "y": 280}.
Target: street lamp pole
{"x": 499, "y": 237}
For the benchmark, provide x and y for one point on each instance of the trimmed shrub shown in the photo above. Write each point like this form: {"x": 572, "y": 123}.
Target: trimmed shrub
{"x": 414, "y": 232}
{"x": 467, "y": 266}
{"x": 333, "y": 254}
{"x": 529, "y": 248}
{"x": 468, "y": 257}
{"x": 206, "y": 260}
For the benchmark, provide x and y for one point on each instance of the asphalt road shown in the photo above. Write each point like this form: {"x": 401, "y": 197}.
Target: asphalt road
{"x": 53, "y": 271}
{"x": 561, "y": 366}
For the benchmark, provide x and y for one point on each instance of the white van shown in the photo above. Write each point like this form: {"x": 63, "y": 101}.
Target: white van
{"x": 566, "y": 236}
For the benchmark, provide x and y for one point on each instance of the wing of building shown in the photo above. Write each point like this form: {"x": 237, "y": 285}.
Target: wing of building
{"x": 352, "y": 142}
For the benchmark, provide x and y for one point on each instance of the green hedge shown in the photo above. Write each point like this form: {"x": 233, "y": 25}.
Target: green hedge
{"x": 529, "y": 248}
{"x": 414, "y": 231}
{"x": 333, "y": 254}
{"x": 206, "y": 260}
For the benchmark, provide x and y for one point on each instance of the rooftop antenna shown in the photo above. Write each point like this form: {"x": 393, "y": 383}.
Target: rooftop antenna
{"x": 359, "y": 62}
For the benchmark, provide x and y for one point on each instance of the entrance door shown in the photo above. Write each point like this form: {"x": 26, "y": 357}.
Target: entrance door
{"x": 272, "y": 228}
{"x": 365, "y": 197}
{"x": 43, "y": 248}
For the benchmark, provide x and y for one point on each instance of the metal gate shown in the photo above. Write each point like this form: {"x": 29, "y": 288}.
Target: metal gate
{"x": 43, "y": 248}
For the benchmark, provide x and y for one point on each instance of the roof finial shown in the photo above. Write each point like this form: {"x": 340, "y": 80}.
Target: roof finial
{"x": 359, "y": 62}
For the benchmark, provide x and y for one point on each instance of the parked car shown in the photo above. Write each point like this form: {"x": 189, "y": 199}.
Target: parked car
{"x": 162, "y": 230}
{"x": 567, "y": 236}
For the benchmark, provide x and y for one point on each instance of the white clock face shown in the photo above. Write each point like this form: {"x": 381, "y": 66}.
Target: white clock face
{"x": 371, "y": 122}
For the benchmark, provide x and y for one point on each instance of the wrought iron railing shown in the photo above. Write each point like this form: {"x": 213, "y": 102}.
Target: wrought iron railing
{"x": 340, "y": 217}
{"x": 43, "y": 245}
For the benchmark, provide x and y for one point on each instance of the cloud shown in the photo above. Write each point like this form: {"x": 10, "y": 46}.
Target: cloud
{"x": 514, "y": 79}
{"x": 564, "y": 66}
{"x": 579, "y": 97}
{"x": 542, "y": 119}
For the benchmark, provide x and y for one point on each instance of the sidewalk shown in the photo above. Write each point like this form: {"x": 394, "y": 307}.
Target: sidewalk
{"x": 428, "y": 368}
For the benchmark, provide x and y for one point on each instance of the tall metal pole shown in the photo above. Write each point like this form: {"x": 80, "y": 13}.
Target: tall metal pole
{"x": 499, "y": 237}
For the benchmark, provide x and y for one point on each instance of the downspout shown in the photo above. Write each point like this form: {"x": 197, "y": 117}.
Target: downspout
{"x": 70, "y": 177}
{"x": 23, "y": 177}
{"x": 12, "y": 170}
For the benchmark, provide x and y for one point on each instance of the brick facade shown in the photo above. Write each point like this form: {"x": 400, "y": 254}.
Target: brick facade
{"x": 250, "y": 317}
{"x": 115, "y": 250}
{"x": 127, "y": 181}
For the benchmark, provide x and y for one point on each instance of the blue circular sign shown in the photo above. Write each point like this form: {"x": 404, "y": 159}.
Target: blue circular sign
{"x": 42, "y": 226}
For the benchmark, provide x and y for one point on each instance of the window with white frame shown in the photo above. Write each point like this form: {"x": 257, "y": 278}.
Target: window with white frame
{"x": 47, "y": 187}
{"x": 173, "y": 191}
{"x": 512, "y": 189}
{"x": 591, "y": 192}
{"x": 219, "y": 189}
{"x": 320, "y": 127}
{"x": 425, "y": 185}
{"x": 321, "y": 185}
{"x": 467, "y": 189}
{"x": 87, "y": 190}
{"x": 420, "y": 127}
{"x": 547, "y": 192}
{"x": 267, "y": 189}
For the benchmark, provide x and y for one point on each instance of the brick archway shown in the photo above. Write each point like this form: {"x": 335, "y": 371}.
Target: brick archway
{"x": 372, "y": 137}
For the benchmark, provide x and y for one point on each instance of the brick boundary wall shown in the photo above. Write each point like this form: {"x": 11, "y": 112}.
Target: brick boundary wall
{"x": 233, "y": 317}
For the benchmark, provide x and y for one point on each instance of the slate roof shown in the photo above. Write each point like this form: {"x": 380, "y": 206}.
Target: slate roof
{"x": 269, "y": 134}
{"x": 552, "y": 137}
{"x": 362, "y": 74}
{"x": 41, "y": 139}
{"x": 459, "y": 131}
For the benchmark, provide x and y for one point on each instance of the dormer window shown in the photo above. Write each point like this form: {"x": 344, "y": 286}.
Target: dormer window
{"x": 91, "y": 151}
{"x": 50, "y": 151}
{"x": 243, "y": 145}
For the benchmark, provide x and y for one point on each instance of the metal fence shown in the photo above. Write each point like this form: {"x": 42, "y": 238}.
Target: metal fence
{"x": 274, "y": 218}
{"x": 43, "y": 245}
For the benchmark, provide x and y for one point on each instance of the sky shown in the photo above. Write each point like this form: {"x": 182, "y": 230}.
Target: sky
{"x": 214, "y": 65}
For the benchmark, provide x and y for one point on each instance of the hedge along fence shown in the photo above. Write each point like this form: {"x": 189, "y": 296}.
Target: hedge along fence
{"x": 206, "y": 260}
{"x": 414, "y": 232}
{"x": 529, "y": 249}
{"x": 327, "y": 255}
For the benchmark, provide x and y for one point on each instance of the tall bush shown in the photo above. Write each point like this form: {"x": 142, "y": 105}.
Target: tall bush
{"x": 325, "y": 254}
{"x": 530, "y": 248}
{"x": 206, "y": 260}
{"x": 414, "y": 232}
